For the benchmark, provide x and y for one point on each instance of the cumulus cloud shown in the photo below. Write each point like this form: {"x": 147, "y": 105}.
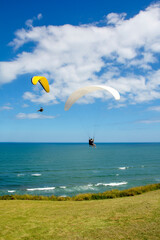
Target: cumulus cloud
{"x": 33, "y": 116}
{"x": 114, "y": 18}
{"x": 123, "y": 53}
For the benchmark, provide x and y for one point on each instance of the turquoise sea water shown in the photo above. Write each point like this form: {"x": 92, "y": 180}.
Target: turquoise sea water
{"x": 69, "y": 169}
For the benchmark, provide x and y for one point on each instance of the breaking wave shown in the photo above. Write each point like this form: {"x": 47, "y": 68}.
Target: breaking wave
{"x": 36, "y": 174}
{"x": 40, "y": 189}
{"x": 111, "y": 184}
{"x": 79, "y": 188}
{"x": 122, "y": 168}
{"x": 67, "y": 190}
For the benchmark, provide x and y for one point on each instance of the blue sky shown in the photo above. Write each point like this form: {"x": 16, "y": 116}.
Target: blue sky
{"x": 76, "y": 44}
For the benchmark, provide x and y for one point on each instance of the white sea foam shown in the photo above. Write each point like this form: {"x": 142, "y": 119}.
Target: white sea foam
{"x": 90, "y": 185}
{"x": 84, "y": 187}
{"x": 98, "y": 184}
{"x": 117, "y": 174}
{"x": 94, "y": 186}
{"x": 20, "y": 174}
{"x": 111, "y": 184}
{"x": 36, "y": 174}
{"x": 122, "y": 168}
{"x": 11, "y": 191}
{"x": 40, "y": 189}
{"x": 63, "y": 187}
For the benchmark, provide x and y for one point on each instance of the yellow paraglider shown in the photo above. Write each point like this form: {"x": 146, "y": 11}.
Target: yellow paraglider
{"x": 42, "y": 80}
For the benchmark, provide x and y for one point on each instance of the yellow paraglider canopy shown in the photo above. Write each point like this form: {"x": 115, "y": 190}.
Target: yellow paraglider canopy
{"x": 42, "y": 80}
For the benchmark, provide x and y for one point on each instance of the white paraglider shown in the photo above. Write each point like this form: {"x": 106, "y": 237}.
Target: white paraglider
{"x": 85, "y": 90}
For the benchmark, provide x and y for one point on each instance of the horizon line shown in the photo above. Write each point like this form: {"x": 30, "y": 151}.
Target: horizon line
{"x": 81, "y": 142}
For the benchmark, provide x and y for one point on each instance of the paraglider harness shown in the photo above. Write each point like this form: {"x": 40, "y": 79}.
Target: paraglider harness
{"x": 40, "y": 110}
{"x": 91, "y": 141}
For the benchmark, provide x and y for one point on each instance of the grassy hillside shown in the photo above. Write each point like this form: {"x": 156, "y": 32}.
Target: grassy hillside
{"x": 136, "y": 217}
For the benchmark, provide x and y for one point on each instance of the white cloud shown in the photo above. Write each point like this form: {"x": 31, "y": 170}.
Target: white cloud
{"x": 25, "y": 105}
{"x": 114, "y": 18}
{"x": 6, "y": 108}
{"x": 39, "y": 16}
{"x": 123, "y": 54}
{"x": 29, "y": 22}
{"x": 154, "y": 108}
{"x": 150, "y": 121}
{"x": 33, "y": 116}
{"x": 117, "y": 106}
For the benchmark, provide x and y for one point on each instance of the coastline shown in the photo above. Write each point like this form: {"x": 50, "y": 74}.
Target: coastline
{"x": 115, "y": 193}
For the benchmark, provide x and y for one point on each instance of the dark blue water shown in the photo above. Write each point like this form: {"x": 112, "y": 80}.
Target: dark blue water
{"x": 69, "y": 169}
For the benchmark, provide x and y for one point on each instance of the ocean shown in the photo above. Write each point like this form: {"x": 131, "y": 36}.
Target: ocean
{"x": 69, "y": 169}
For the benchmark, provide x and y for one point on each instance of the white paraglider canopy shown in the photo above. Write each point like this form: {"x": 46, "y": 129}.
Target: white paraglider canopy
{"x": 85, "y": 90}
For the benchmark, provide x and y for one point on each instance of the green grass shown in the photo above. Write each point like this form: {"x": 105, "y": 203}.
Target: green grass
{"x": 136, "y": 217}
